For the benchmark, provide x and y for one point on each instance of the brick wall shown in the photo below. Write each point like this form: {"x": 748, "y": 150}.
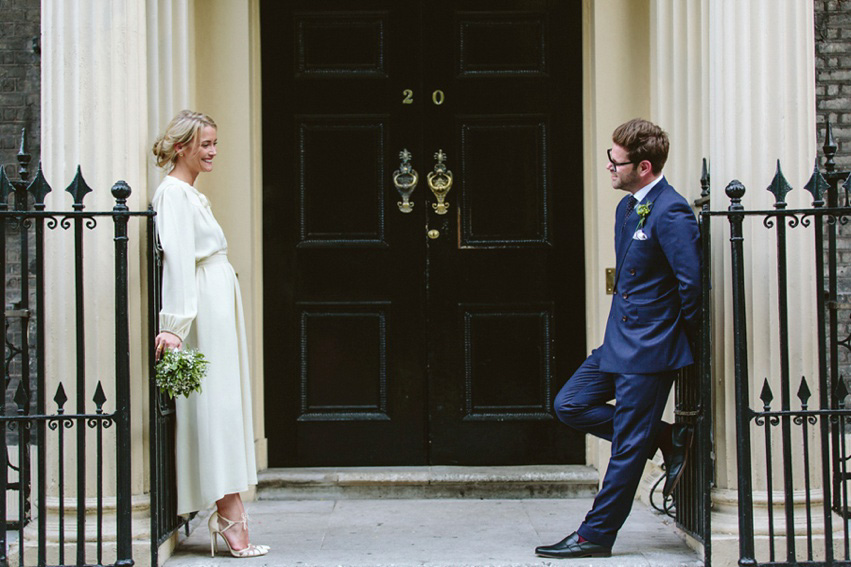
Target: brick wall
{"x": 833, "y": 103}
{"x": 20, "y": 101}
{"x": 833, "y": 73}
{"x": 20, "y": 80}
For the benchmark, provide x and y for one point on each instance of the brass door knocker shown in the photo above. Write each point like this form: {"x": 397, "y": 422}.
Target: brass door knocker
{"x": 405, "y": 179}
{"x": 440, "y": 182}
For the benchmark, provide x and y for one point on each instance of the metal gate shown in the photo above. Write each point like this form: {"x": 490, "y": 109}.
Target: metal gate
{"x": 691, "y": 501}
{"x": 39, "y": 426}
{"x": 164, "y": 518}
{"x": 813, "y": 427}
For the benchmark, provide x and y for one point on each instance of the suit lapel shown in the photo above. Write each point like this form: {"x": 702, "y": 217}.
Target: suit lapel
{"x": 625, "y": 237}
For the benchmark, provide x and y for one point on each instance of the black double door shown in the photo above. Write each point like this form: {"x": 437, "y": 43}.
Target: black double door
{"x": 421, "y": 334}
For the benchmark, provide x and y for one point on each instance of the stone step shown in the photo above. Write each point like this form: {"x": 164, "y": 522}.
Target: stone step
{"x": 529, "y": 481}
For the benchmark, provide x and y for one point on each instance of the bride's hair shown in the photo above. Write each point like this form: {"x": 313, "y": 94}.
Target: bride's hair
{"x": 181, "y": 131}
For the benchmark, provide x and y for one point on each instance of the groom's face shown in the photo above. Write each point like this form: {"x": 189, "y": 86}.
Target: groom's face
{"x": 623, "y": 176}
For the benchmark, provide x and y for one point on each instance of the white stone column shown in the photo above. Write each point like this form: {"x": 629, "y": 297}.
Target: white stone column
{"x": 733, "y": 81}
{"x": 169, "y": 34}
{"x": 171, "y": 76}
{"x": 94, "y": 114}
{"x": 679, "y": 72}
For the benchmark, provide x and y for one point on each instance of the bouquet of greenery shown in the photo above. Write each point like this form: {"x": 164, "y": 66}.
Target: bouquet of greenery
{"x": 179, "y": 372}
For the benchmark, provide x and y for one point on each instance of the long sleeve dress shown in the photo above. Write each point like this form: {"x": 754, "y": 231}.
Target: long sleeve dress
{"x": 202, "y": 305}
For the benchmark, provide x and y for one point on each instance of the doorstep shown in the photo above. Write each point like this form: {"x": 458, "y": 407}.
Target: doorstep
{"x": 424, "y": 482}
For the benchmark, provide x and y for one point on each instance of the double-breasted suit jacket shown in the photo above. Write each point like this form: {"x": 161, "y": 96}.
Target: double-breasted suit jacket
{"x": 654, "y": 316}
{"x": 656, "y": 301}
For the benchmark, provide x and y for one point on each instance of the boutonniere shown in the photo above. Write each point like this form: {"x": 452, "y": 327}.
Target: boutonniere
{"x": 642, "y": 211}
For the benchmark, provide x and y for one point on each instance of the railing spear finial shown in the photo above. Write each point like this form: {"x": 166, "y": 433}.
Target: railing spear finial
{"x": 779, "y": 188}
{"x": 39, "y": 188}
{"x": 23, "y": 157}
{"x": 78, "y": 189}
{"x": 704, "y": 179}
{"x": 817, "y": 186}
{"x": 830, "y": 148}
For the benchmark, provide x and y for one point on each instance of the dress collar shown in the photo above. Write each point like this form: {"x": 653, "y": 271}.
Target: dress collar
{"x": 193, "y": 190}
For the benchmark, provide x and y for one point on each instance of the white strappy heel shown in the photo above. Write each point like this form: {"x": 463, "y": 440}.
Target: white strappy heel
{"x": 213, "y": 525}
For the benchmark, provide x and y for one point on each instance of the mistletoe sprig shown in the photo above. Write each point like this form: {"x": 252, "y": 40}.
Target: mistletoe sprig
{"x": 179, "y": 372}
{"x": 643, "y": 210}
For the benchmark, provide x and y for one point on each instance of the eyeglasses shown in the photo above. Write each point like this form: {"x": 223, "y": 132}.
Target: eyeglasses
{"x": 614, "y": 163}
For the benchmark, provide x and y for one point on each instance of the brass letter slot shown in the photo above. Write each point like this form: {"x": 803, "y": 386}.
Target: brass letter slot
{"x": 610, "y": 280}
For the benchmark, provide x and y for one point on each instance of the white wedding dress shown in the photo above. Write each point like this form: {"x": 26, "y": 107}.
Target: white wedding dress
{"x": 202, "y": 305}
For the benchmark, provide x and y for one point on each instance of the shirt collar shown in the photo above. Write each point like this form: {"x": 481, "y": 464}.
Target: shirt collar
{"x": 641, "y": 193}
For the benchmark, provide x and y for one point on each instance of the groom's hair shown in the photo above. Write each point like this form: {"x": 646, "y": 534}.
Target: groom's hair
{"x": 643, "y": 140}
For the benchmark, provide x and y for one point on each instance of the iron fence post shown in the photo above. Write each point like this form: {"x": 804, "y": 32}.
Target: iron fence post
{"x": 152, "y": 390}
{"x": 780, "y": 187}
{"x": 830, "y": 147}
{"x": 121, "y": 191}
{"x": 39, "y": 188}
{"x": 78, "y": 190}
{"x": 705, "y": 366}
{"x": 735, "y": 190}
{"x": 5, "y": 190}
{"x": 816, "y": 187}
{"x": 24, "y": 484}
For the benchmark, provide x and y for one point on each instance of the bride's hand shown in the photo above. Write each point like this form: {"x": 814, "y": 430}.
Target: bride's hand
{"x": 164, "y": 341}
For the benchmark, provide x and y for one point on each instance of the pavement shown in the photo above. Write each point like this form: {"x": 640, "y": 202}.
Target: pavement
{"x": 433, "y": 532}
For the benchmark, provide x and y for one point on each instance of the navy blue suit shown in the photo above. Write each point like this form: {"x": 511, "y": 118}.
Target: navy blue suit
{"x": 652, "y": 322}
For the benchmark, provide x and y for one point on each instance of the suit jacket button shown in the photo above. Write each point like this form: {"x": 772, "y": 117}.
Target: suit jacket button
{"x": 632, "y": 271}
{"x": 623, "y": 318}
{"x": 625, "y": 295}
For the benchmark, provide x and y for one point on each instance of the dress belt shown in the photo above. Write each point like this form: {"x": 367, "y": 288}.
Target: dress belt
{"x": 217, "y": 258}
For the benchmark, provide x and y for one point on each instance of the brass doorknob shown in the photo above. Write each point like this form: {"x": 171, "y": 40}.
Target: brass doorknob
{"x": 440, "y": 182}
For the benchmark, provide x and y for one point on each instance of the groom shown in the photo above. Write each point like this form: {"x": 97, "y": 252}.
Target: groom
{"x": 649, "y": 336}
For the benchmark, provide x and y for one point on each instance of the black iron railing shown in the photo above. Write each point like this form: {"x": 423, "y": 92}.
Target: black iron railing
{"x": 17, "y": 369}
{"x": 162, "y": 422}
{"x": 693, "y": 408}
{"x": 690, "y": 504}
{"x": 63, "y": 436}
{"x": 829, "y": 311}
{"x": 802, "y": 439}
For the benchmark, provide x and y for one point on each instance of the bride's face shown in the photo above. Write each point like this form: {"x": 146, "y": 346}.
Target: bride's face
{"x": 198, "y": 157}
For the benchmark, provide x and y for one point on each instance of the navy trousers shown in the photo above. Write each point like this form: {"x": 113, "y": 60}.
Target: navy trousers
{"x": 631, "y": 425}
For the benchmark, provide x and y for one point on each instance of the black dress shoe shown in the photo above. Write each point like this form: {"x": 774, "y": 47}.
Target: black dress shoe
{"x": 675, "y": 464}
{"x": 570, "y": 548}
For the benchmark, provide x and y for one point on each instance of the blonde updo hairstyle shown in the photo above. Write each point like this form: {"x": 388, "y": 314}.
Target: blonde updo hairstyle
{"x": 181, "y": 131}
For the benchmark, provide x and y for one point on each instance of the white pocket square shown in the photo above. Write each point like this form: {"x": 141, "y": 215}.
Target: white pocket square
{"x": 639, "y": 235}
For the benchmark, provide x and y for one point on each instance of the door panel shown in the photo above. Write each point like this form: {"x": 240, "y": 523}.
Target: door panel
{"x": 335, "y": 212}
{"x": 339, "y": 44}
{"x": 493, "y": 44}
{"x": 344, "y": 330}
{"x": 419, "y": 338}
{"x": 505, "y": 287}
{"x": 504, "y": 180}
{"x": 507, "y": 372}
{"x": 331, "y": 336}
